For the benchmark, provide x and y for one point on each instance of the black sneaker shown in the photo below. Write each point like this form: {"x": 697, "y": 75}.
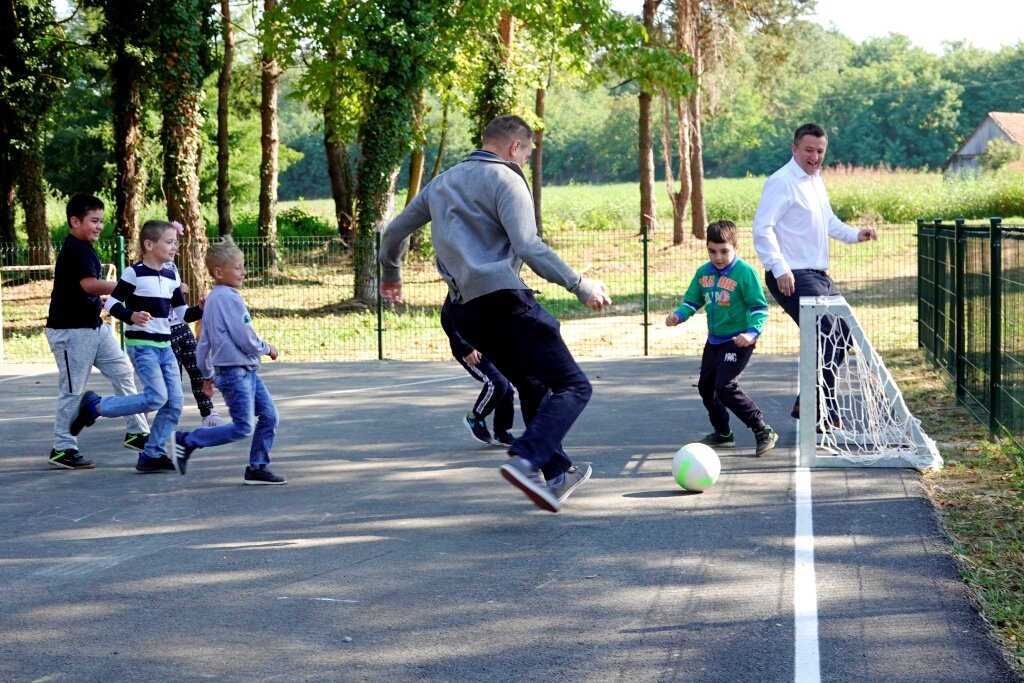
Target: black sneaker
{"x": 83, "y": 417}
{"x": 150, "y": 465}
{"x": 181, "y": 452}
{"x": 766, "y": 438}
{"x": 795, "y": 413}
{"x": 716, "y": 440}
{"x": 478, "y": 428}
{"x": 69, "y": 459}
{"x": 135, "y": 442}
{"x": 262, "y": 476}
{"x": 503, "y": 439}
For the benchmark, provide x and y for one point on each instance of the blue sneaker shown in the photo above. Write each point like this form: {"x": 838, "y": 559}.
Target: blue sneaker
{"x": 478, "y": 428}
{"x": 181, "y": 452}
{"x": 86, "y": 414}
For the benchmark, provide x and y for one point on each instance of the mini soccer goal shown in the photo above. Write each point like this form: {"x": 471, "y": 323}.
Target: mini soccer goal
{"x": 852, "y": 412}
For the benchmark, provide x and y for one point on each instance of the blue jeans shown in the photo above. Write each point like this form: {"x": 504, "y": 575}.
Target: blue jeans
{"x": 252, "y": 411}
{"x": 161, "y": 391}
{"x": 527, "y": 348}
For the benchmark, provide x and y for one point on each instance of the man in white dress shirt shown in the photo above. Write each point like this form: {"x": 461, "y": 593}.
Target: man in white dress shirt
{"x": 791, "y": 229}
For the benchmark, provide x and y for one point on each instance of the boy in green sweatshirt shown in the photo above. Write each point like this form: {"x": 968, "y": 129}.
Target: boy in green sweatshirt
{"x": 736, "y": 310}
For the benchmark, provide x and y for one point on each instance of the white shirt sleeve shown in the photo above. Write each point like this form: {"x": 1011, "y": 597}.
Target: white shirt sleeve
{"x": 776, "y": 198}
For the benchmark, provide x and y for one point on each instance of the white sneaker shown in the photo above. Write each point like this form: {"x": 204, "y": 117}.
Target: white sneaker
{"x": 213, "y": 419}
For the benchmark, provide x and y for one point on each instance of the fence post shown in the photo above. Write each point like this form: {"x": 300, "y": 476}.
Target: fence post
{"x": 647, "y": 292}
{"x": 380, "y": 303}
{"x": 996, "y": 323}
{"x": 937, "y": 303}
{"x": 922, "y": 256}
{"x": 959, "y": 301}
{"x": 120, "y": 255}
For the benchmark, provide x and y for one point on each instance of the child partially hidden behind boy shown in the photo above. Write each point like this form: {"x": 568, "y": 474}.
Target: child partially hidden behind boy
{"x": 737, "y": 310}
{"x": 230, "y": 347}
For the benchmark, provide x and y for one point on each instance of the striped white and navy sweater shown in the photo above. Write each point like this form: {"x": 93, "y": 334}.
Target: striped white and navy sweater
{"x": 157, "y": 292}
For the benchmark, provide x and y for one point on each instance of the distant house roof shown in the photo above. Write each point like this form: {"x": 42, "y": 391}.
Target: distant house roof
{"x": 996, "y": 124}
{"x": 1011, "y": 123}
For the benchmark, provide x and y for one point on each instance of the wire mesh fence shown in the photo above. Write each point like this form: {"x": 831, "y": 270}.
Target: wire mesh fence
{"x": 300, "y": 291}
{"x": 971, "y": 285}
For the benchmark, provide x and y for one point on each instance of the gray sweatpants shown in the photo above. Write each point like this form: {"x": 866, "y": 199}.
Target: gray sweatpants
{"x": 76, "y": 352}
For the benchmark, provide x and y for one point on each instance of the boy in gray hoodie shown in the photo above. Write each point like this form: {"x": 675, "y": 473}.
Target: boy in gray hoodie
{"x": 230, "y": 347}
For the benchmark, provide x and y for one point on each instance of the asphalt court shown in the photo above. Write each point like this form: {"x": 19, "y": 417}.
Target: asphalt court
{"x": 396, "y": 552}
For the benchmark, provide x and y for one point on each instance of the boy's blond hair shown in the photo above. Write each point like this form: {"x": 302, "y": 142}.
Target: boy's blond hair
{"x": 723, "y": 232}
{"x": 221, "y": 253}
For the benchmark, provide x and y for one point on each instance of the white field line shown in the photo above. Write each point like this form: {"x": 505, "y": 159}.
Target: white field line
{"x": 807, "y": 664}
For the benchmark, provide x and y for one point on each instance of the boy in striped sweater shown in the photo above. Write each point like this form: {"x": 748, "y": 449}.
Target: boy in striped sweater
{"x": 143, "y": 299}
{"x": 737, "y": 310}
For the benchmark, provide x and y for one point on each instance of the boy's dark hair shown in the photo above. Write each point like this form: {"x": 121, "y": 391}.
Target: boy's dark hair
{"x": 80, "y": 204}
{"x": 808, "y": 129}
{"x": 723, "y": 232}
{"x": 151, "y": 232}
{"x": 221, "y": 253}
{"x": 505, "y": 129}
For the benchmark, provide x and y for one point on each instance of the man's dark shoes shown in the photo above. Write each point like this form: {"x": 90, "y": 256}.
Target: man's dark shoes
{"x": 86, "y": 415}
{"x": 150, "y": 465}
{"x": 69, "y": 459}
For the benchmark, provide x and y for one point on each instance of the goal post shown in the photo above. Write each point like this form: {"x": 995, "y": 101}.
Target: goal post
{"x": 853, "y": 413}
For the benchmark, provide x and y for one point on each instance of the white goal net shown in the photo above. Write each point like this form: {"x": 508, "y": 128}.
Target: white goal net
{"x": 852, "y": 412}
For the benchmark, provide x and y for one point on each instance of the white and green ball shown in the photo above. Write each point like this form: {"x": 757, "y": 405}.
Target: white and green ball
{"x": 696, "y": 467}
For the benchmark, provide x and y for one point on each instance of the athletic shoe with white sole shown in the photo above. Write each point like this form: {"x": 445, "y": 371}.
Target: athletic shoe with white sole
{"x": 522, "y": 474}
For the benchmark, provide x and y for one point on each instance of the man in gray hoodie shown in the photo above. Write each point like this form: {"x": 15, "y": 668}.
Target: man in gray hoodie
{"x": 483, "y": 229}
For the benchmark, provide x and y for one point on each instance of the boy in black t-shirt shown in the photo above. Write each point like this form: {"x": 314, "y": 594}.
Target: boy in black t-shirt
{"x": 78, "y": 339}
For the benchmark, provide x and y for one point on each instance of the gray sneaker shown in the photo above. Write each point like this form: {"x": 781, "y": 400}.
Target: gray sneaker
{"x": 571, "y": 479}
{"x": 521, "y": 473}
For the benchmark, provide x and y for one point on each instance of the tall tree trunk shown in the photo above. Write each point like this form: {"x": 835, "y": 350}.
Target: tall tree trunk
{"x": 223, "y": 141}
{"x": 442, "y": 142}
{"x": 33, "y": 203}
{"x": 7, "y": 204}
{"x": 182, "y": 141}
{"x": 126, "y": 74}
{"x": 416, "y": 158}
{"x": 666, "y": 159}
{"x": 340, "y": 173}
{"x": 537, "y": 163}
{"x": 496, "y": 95}
{"x": 270, "y": 80}
{"x": 698, "y": 210}
{"x": 648, "y": 216}
{"x": 685, "y": 175}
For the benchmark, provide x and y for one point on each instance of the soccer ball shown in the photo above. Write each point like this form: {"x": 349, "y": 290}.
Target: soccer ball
{"x": 696, "y": 467}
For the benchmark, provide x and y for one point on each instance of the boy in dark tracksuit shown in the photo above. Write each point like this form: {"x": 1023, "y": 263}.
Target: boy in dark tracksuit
{"x": 497, "y": 394}
{"x": 736, "y": 311}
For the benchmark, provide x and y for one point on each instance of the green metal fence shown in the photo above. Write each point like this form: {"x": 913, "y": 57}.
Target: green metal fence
{"x": 971, "y": 286}
{"x": 305, "y": 305}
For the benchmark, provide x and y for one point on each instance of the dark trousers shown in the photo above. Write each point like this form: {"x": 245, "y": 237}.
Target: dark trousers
{"x": 527, "y": 347}
{"x": 497, "y": 394}
{"x": 719, "y": 386}
{"x": 833, "y": 350}
{"x": 183, "y": 343}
